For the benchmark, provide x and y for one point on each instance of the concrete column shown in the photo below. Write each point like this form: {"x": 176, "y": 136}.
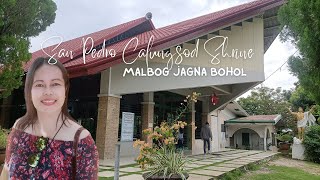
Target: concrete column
{"x": 193, "y": 128}
{"x": 107, "y": 126}
{"x": 265, "y": 139}
{"x": 218, "y": 129}
{"x": 265, "y": 143}
{"x": 147, "y": 113}
{"x": 108, "y": 118}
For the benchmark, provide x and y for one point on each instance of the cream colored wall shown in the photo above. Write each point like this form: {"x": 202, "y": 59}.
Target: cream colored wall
{"x": 256, "y": 142}
{"x": 219, "y": 142}
{"x": 216, "y": 133}
{"x": 261, "y": 129}
{"x": 223, "y": 116}
{"x": 271, "y": 130}
{"x": 245, "y": 37}
{"x": 198, "y": 146}
{"x": 232, "y": 128}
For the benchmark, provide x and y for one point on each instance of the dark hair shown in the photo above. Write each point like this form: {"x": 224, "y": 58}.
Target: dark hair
{"x": 31, "y": 115}
{"x": 207, "y": 123}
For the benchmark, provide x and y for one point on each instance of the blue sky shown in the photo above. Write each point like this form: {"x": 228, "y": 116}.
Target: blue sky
{"x": 77, "y": 18}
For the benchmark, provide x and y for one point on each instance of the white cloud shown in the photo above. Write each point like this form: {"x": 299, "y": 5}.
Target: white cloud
{"x": 77, "y": 18}
{"x": 274, "y": 58}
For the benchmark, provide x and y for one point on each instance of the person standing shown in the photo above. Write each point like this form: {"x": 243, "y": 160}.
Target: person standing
{"x": 206, "y": 136}
{"x": 180, "y": 139}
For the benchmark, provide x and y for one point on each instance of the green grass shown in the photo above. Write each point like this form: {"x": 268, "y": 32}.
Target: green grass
{"x": 233, "y": 175}
{"x": 252, "y": 167}
{"x": 284, "y": 173}
{"x": 237, "y": 173}
{"x": 106, "y": 178}
{"x": 275, "y": 173}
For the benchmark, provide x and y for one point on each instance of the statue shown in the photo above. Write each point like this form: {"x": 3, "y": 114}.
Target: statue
{"x": 304, "y": 119}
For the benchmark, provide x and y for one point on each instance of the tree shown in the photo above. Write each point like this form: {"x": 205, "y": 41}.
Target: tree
{"x": 268, "y": 101}
{"x": 300, "y": 98}
{"x": 264, "y": 100}
{"x": 301, "y": 22}
{"x": 20, "y": 20}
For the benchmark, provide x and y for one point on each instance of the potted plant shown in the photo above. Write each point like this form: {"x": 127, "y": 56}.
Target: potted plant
{"x": 167, "y": 164}
{"x": 286, "y": 139}
{"x": 159, "y": 156}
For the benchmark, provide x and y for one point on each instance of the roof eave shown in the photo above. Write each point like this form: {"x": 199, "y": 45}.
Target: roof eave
{"x": 250, "y": 122}
{"x": 216, "y": 25}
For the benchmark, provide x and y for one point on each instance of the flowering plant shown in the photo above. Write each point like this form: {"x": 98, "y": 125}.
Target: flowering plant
{"x": 159, "y": 155}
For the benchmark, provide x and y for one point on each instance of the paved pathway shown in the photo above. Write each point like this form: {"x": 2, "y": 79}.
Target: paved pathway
{"x": 201, "y": 167}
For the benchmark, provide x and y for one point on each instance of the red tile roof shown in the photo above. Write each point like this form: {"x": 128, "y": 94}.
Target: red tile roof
{"x": 164, "y": 37}
{"x": 98, "y": 37}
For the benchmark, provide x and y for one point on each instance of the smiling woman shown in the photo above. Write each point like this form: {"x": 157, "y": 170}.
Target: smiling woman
{"x": 48, "y": 89}
{"x": 47, "y": 143}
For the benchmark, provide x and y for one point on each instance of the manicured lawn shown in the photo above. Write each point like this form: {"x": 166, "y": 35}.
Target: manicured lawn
{"x": 285, "y": 173}
{"x": 277, "y": 169}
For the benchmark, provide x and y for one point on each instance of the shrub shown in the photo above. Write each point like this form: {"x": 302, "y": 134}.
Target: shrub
{"x": 312, "y": 144}
{"x": 3, "y": 138}
{"x": 285, "y": 137}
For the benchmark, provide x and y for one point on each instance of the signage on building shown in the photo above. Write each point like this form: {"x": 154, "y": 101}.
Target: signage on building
{"x": 127, "y": 126}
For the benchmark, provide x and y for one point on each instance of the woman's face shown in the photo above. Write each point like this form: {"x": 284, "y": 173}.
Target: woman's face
{"x": 48, "y": 89}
